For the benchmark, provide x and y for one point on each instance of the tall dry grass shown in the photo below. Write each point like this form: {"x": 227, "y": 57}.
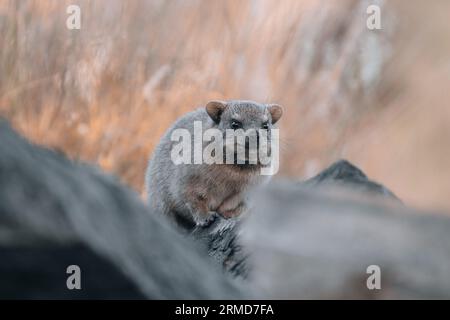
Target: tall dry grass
{"x": 106, "y": 93}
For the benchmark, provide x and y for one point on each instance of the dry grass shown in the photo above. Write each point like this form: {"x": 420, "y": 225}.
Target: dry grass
{"x": 107, "y": 92}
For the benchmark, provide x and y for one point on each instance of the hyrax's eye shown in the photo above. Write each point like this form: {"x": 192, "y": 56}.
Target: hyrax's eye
{"x": 265, "y": 125}
{"x": 236, "y": 124}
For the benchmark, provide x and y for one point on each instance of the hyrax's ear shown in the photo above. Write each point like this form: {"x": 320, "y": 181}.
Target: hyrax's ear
{"x": 276, "y": 111}
{"x": 215, "y": 108}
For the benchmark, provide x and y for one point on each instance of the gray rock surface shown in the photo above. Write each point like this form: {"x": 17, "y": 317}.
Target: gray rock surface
{"x": 318, "y": 243}
{"x": 53, "y": 210}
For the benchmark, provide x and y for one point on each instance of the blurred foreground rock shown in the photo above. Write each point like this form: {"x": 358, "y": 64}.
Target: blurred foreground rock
{"x": 304, "y": 240}
{"x": 319, "y": 244}
{"x": 55, "y": 213}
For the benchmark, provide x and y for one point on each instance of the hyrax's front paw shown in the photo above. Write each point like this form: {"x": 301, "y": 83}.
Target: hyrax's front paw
{"x": 210, "y": 218}
{"x": 231, "y": 213}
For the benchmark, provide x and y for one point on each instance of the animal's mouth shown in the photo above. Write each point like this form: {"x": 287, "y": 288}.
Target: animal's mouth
{"x": 246, "y": 160}
{"x": 241, "y": 154}
{"x": 251, "y": 157}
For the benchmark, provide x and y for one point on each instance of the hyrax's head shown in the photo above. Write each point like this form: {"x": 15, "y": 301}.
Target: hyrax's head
{"x": 251, "y": 120}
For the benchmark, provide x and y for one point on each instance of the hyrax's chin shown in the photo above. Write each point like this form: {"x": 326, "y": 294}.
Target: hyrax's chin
{"x": 249, "y": 161}
{"x": 252, "y": 158}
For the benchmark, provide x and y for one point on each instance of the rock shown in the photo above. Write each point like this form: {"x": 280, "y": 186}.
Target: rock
{"x": 220, "y": 240}
{"x": 312, "y": 239}
{"x": 306, "y": 243}
{"x": 55, "y": 212}
{"x": 343, "y": 173}
{"x": 39, "y": 272}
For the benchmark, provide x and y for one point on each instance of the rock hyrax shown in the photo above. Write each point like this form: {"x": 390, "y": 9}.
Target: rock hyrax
{"x": 192, "y": 194}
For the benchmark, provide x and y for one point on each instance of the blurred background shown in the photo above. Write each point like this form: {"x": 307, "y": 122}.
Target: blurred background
{"x": 107, "y": 92}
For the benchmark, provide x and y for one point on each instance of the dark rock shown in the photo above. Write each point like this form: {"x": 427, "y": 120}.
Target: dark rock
{"x": 221, "y": 241}
{"x": 343, "y": 173}
{"x": 38, "y": 272}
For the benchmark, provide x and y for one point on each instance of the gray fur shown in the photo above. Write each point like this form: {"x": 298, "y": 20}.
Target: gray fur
{"x": 194, "y": 193}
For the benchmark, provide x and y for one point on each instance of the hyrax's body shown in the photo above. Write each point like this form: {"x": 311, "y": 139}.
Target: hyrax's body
{"x": 193, "y": 193}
